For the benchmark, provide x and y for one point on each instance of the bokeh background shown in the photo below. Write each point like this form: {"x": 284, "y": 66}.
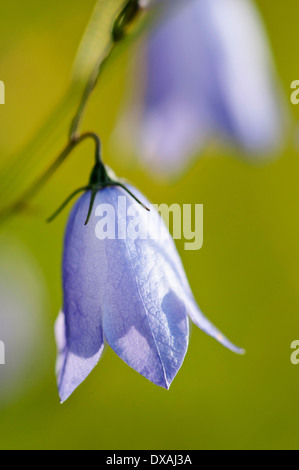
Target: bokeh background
{"x": 245, "y": 277}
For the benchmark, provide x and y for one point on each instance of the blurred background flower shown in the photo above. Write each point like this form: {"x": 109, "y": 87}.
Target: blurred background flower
{"x": 23, "y": 324}
{"x": 205, "y": 70}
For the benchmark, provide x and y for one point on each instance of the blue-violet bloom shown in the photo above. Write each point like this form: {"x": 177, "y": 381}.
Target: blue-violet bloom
{"x": 131, "y": 292}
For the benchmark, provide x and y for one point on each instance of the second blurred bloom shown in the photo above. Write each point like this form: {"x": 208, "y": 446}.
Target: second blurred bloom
{"x": 204, "y": 71}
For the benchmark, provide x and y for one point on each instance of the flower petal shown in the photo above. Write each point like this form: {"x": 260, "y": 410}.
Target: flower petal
{"x": 129, "y": 283}
{"x": 167, "y": 254}
{"x": 144, "y": 321}
{"x": 78, "y": 330}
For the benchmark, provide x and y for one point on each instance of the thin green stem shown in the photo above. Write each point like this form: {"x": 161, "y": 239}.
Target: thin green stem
{"x": 118, "y": 32}
{"x": 19, "y": 205}
{"x": 76, "y": 122}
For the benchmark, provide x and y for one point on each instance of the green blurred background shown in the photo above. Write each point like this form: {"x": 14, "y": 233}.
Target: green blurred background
{"x": 245, "y": 278}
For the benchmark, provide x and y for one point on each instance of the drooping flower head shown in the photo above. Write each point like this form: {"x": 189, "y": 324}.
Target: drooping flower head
{"x": 124, "y": 285}
{"x": 204, "y": 71}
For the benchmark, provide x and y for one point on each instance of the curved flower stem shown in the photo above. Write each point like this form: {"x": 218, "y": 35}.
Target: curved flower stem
{"x": 118, "y": 32}
{"x": 19, "y": 205}
{"x": 89, "y": 89}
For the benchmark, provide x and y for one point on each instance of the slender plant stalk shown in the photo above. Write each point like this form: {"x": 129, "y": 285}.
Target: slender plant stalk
{"x": 118, "y": 32}
{"x": 22, "y": 202}
{"x": 89, "y": 89}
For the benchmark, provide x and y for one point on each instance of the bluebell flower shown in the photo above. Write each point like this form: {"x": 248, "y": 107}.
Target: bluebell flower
{"x": 130, "y": 292}
{"x": 205, "y": 71}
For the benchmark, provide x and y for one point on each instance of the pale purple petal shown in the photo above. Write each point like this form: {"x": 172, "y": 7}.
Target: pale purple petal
{"x": 170, "y": 265}
{"x": 79, "y": 329}
{"x": 144, "y": 320}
